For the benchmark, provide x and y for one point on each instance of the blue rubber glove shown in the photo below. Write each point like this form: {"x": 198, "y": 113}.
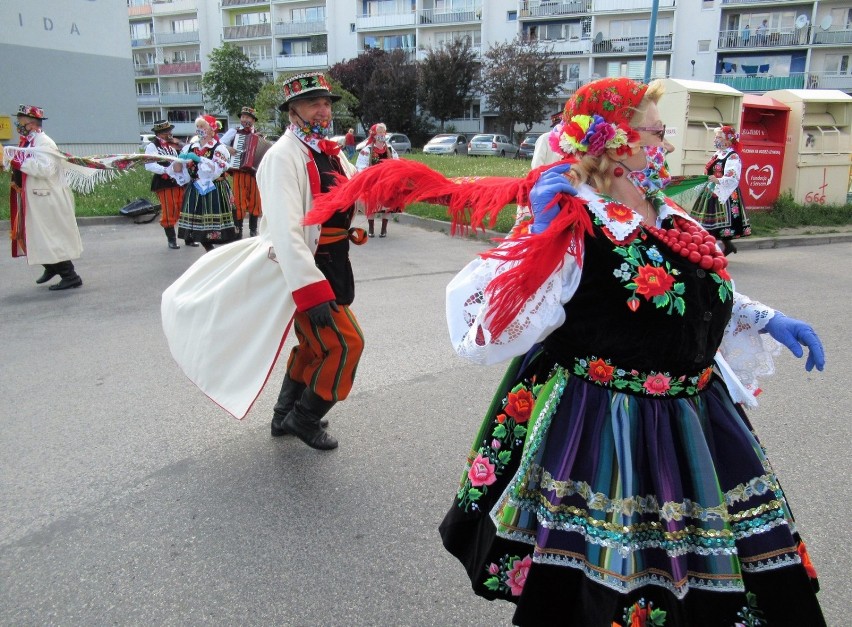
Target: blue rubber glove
{"x": 791, "y": 333}
{"x": 320, "y": 314}
{"x": 190, "y": 156}
{"x": 543, "y": 196}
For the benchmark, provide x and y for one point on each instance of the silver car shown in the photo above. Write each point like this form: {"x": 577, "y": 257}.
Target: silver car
{"x": 400, "y": 143}
{"x": 446, "y": 144}
{"x": 491, "y": 145}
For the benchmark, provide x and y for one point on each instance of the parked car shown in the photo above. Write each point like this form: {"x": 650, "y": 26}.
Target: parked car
{"x": 527, "y": 147}
{"x": 400, "y": 143}
{"x": 492, "y": 145}
{"x": 446, "y": 144}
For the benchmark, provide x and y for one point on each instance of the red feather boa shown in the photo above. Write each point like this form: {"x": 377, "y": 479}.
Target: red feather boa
{"x": 472, "y": 203}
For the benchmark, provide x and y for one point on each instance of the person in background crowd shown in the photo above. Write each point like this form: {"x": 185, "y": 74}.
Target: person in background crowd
{"x": 762, "y": 32}
{"x": 43, "y": 222}
{"x": 349, "y": 143}
{"x": 720, "y": 207}
{"x": 246, "y": 196}
{"x": 543, "y": 154}
{"x": 303, "y": 163}
{"x": 376, "y": 150}
{"x": 746, "y": 34}
{"x": 207, "y": 213}
{"x": 169, "y": 180}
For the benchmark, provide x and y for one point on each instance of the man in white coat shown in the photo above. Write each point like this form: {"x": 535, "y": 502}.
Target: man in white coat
{"x": 44, "y": 227}
{"x": 315, "y": 262}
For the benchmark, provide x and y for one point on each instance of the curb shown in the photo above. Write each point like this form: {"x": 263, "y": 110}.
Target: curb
{"x": 429, "y": 224}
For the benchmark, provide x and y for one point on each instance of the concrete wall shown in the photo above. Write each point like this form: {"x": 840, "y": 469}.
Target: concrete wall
{"x": 72, "y": 58}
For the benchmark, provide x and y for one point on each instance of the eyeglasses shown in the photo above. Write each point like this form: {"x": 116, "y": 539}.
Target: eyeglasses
{"x": 659, "y": 132}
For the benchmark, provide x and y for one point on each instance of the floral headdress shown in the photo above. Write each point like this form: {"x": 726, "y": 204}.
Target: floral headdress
{"x": 596, "y": 119}
{"x": 730, "y": 134}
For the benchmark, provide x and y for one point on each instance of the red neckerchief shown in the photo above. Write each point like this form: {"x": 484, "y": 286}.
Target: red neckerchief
{"x": 328, "y": 147}
{"x": 24, "y": 142}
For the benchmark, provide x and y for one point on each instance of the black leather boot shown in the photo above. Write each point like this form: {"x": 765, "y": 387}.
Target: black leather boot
{"x": 252, "y": 226}
{"x": 170, "y": 235}
{"x": 371, "y": 224}
{"x": 50, "y": 271}
{"x": 69, "y": 277}
{"x": 290, "y": 392}
{"x": 303, "y": 421}
{"x": 238, "y": 228}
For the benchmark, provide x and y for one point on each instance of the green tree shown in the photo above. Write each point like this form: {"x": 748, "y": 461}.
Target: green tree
{"x": 445, "y": 80}
{"x": 233, "y": 81}
{"x": 271, "y": 96}
{"x": 355, "y": 76}
{"x": 519, "y": 79}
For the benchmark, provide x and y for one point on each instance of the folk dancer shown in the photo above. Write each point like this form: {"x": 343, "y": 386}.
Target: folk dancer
{"x": 169, "y": 180}
{"x": 246, "y": 196}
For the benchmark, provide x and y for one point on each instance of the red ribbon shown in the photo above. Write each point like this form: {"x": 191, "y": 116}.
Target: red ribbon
{"x": 329, "y": 147}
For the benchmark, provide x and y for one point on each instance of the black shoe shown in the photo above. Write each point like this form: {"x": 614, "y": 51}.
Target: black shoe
{"x": 173, "y": 244}
{"x": 383, "y": 234}
{"x": 67, "y": 283}
{"x": 252, "y": 233}
{"x": 189, "y": 242}
{"x": 49, "y": 273}
{"x": 371, "y": 234}
{"x": 304, "y": 420}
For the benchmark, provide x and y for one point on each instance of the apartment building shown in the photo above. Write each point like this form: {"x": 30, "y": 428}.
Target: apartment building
{"x": 751, "y": 45}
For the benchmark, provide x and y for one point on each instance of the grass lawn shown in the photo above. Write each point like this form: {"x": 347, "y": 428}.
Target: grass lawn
{"x": 107, "y": 199}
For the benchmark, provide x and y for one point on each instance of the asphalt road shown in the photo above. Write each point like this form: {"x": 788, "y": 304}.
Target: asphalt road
{"x": 128, "y": 498}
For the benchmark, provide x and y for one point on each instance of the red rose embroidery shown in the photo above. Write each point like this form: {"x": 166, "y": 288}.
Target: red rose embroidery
{"x": 653, "y": 281}
{"x": 600, "y": 371}
{"x": 657, "y": 384}
{"x": 520, "y": 405}
{"x": 617, "y": 212}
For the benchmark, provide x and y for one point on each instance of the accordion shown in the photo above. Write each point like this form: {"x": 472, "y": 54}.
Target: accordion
{"x": 250, "y": 148}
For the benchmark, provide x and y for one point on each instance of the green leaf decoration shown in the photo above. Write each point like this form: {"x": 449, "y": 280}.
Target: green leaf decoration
{"x": 492, "y": 583}
{"x": 519, "y": 431}
{"x": 499, "y": 431}
{"x": 474, "y": 493}
{"x": 504, "y": 456}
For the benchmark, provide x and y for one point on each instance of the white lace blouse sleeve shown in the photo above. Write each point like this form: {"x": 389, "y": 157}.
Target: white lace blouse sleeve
{"x": 746, "y": 354}
{"x": 730, "y": 180}
{"x": 468, "y": 309}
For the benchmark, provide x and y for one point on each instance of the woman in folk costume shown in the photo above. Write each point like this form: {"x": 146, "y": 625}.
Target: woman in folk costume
{"x": 376, "y": 150}
{"x": 720, "y": 208}
{"x": 616, "y": 479}
{"x": 44, "y": 225}
{"x": 169, "y": 178}
{"x": 207, "y": 213}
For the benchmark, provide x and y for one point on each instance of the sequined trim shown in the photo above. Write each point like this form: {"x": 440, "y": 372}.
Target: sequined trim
{"x": 656, "y": 384}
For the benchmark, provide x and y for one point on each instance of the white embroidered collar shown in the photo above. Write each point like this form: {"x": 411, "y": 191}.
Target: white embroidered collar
{"x": 309, "y": 140}
{"x": 619, "y": 220}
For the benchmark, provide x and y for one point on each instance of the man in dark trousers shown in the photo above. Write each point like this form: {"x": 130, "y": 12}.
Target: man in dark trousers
{"x": 314, "y": 261}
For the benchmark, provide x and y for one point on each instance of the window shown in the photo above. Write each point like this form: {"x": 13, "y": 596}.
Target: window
{"x": 183, "y": 115}
{"x": 473, "y": 37}
{"x": 185, "y": 26}
{"x": 147, "y": 89}
{"x": 387, "y": 7}
{"x": 140, "y": 30}
{"x": 636, "y": 69}
{"x": 308, "y": 14}
{"x": 836, "y": 63}
{"x": 247, "y": 19}
{"x": 147, "y": 118}
{"x": 511, "y": 16}
{"x": 703, "y": 45}
{"x": 569, "y": 72}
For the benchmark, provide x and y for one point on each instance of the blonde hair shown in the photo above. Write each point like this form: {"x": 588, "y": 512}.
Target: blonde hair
{"x": 595, "y": 169}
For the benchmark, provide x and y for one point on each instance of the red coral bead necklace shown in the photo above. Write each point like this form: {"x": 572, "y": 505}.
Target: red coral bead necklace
{"x": 691, "y": 242}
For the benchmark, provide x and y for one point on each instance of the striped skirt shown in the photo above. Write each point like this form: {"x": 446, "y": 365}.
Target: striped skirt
{"x": 207, "y": 218}
{"x": 587, "y": 506}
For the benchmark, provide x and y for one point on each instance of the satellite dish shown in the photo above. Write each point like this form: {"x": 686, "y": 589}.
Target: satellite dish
{"x": 598, "y": 38}
{"x": 825, "y": 24}
{"x": 801, "y": 21}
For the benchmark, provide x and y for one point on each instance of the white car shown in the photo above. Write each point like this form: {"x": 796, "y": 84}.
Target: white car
{"x": 446, "y": 144}
{"x": 400, "y": 143}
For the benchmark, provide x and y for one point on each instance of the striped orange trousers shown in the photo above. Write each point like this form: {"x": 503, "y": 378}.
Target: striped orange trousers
{"x": 326, "y": 357}
{"x": 246, "y": 195}
{"x": 171, "y": 199}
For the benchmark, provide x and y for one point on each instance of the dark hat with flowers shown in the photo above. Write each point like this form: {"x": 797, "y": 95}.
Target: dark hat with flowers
{"x": 308, "y": 85}
{"x": 162, "y": 126}
{"x": 249, "y": 111}
{"x": 31, "y": 111}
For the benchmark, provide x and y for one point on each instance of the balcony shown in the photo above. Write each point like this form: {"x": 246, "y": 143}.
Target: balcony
{"x": 745, "y": 2}
{"x": 568, "y": 46}
{"x": 139, "y": 10}
{"x": 249, "y": 31}
{"x": 179, "y": 98}
{"x": 241, "y": 3}
{"x": 285, "y": 29}
{"x": 473, "y": 13}
{"x": 173, "y": 7}
{"x": 299, "y": 61}
{"x": 829, "y": 80}
{"x": 536, "y": 8}
{"x": 171, "y": 69}
{"x": 626, "y": 6}
{"x": 773, "y": 38}
{"x": 147, "y": 100}
{"x": 662, "y": 43}
{"x": 762, "y": 83}
{"x": 165, "y": 39}
{"x": 141, "y": 43}
{"x": 264, "y": 64}
{"x": 422, "y": 53}
{"x": 144, "y": 69}
{"x": 365, "y": 22}
{"x": 833, "y": 37}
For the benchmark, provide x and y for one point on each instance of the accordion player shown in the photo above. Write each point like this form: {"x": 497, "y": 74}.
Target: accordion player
{"x": 249, "y": 150}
